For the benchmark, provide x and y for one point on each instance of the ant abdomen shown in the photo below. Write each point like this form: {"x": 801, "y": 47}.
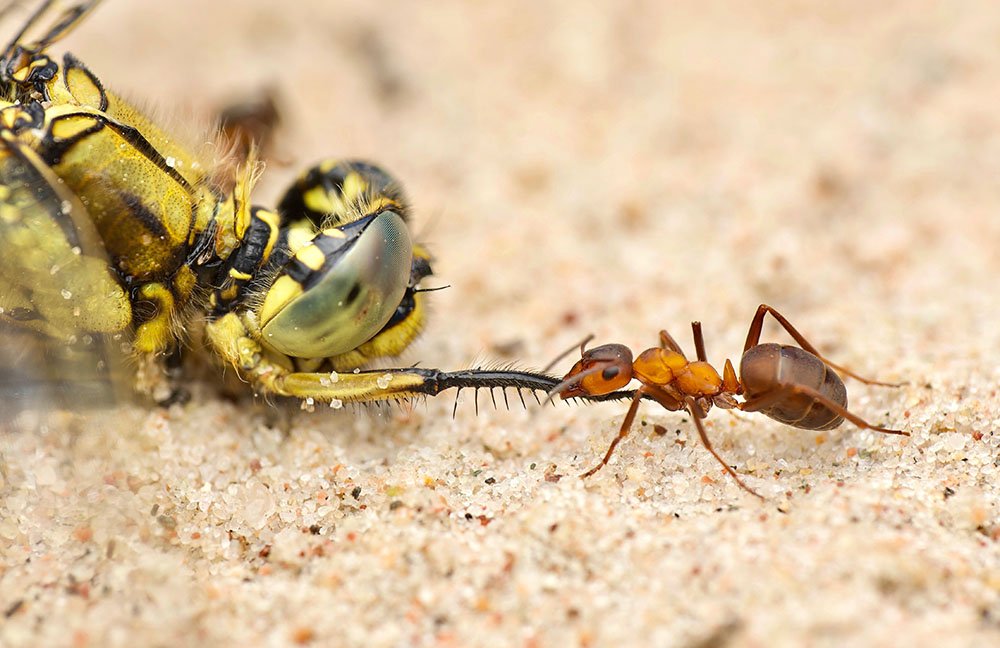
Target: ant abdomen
{"x": 773, "y": 368}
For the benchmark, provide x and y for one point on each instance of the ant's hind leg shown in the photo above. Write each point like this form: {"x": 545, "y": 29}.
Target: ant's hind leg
{"x": 757, "y": 325}
{"x": 622, "y": 433}
{"x": 697, "y": 415}
{"x": 783, "y": 392}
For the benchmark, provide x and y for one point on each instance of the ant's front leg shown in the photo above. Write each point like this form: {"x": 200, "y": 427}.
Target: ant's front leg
{"x": 622, "y": 433}
{"x": 665, "y": 399}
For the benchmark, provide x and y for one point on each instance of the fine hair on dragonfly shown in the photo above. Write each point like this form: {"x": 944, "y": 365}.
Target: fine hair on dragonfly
{"x": 794, "y": 385}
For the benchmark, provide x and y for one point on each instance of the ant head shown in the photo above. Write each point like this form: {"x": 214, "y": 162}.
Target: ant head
{"x": 601, "y": 370}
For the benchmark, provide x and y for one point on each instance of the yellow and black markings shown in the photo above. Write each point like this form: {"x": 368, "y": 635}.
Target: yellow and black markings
{"x": 117, "y": 238}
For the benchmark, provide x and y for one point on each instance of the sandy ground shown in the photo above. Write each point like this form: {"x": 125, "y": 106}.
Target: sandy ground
{"x": 613, "y": 168}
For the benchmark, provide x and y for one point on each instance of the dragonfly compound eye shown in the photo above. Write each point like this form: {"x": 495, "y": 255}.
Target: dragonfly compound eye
{"x": 340, "y": 289}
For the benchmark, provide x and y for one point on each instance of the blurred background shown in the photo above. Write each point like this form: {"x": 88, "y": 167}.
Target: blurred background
{"x": 619, "y": 167}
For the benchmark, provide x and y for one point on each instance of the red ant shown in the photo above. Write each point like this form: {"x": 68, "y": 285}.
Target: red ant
{"x": 794, "y": 385}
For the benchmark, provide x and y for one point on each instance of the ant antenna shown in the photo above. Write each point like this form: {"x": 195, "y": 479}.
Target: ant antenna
{"x": 583, "y": 346}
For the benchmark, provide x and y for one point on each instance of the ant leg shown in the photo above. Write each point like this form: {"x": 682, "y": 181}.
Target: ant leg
{"x": 699, "y": 341}
{"x": 622, "y": 433}
{"x": 757, "y": 325}
{"x": 695, "y": 411}
{"x": 667, "y": 341}
{"x": 583, "y": 350}
{"x": 780, "y": 393}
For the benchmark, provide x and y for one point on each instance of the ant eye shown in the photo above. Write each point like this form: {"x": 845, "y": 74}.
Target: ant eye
{"x": 610, "y": 373}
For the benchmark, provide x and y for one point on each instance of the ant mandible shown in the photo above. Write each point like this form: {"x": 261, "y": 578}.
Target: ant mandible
{"x": 794, "y": 385}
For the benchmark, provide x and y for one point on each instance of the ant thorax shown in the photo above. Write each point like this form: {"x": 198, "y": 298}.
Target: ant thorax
{"x": 665, "y": 368}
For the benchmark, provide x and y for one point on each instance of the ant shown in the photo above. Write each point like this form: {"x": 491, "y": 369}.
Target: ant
{"x": 794, "y": 385}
